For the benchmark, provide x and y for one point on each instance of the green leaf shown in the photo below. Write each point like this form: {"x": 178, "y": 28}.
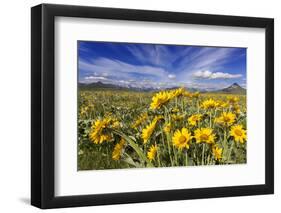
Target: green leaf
{"x": 130, "y": 161}
{"x": 135, "y": 147}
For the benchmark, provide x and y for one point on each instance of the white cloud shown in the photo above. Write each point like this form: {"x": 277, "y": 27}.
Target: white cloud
{"x": 124, "y": 82}
{"x": 95, "y": 78}
{"x": 225, "y": 75}
{"x": 215, "y": 75}
{"x": 171, "y": 76}
{"x": 202, "y": 74}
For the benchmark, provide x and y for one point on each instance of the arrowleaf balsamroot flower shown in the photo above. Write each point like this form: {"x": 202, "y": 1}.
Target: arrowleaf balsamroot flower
{"x": 238, "y": 133}
{"x": 217, "y": 152}
{"x": 181, "y": 139}
{"x": 194, "y": 119}
{"x": 158, "y": 118}
{"x": 233, "y": 99}
{"x": 195, "y": 95}
{"x": 177, "y": 117}
{"x": 117, "y": 151}
{"x": 222, "y": 104}
{"x": 177, "y": 92}
{"x": 226, "y": 119}
{"x": 148, "y": 130}
{"x": 97, "y": 134}
{"x": 236, "y": 108}
{"x": 204, "y": 135}
{"x": 152, "y": 152}
{"x": 140, "y": 120}
{"x": 160, "y": 99}
{"x": 115, "y": 124}
{"x": 167, "y": 128}
{"x": 209, "y": 104}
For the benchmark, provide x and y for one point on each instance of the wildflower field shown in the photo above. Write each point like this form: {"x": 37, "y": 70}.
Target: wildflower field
{"x": 129, "y": 129}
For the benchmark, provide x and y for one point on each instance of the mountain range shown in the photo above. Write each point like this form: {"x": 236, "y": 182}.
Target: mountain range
{"x": 232, "y": 89}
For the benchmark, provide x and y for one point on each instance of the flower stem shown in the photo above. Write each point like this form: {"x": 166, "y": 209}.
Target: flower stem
{"x": 203, "y": 153}
{"x": 168, "y": 136}
{"x": 162, "y": 136}
{"x": 158, "y": 157}
{"x": 225, "y": 144}
{"x": 175, "y": 156}
{"x": 208, "y": 161}
{"x": 186, "y": 158}
{"x": 230, "y": 151}
{"x": 210, "y": 119}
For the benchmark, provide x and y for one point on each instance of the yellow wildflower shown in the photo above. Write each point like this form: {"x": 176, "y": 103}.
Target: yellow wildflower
{"x": 226, "y": 119}
{"x": 159, "y": 99}
{"x": 177, "y": 92}
{"x": 195, "y": 95}
{"x": 223, "y": 104}
{"x": 233, "y": 99}
{"x": 97, "y": 134}
{"x": 217, "y": 152}
{"x": 167, "y": 128}
{"x": 187, "y": 94}
{"x": 148, "y": 130}
{"x": 209, "y": 104}
{"x": 140, "y": 120}
{"x": 158, "y": 117}
{"x": 181, "y": 138}
{"x": 236, "y": 108}
{"x": 117, "y": 151}
{"x": 115, "y": 124}
{"x": 204, "y": 135}
{"x": 177, "y": 117}
{"x": 152, "y": 152}
{"x": 238, "y": 133}
{"x": 192, "y": 120}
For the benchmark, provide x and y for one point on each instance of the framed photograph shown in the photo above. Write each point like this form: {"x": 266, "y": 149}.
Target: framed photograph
{"x": 139, "y": 106}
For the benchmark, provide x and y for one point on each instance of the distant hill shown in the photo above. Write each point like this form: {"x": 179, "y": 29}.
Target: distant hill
{"x": 100, "y": 85}
{"x": 233, "y": 89}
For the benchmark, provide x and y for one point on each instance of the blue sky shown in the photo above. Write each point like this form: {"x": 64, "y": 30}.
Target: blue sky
{"x": 161, "y": 66}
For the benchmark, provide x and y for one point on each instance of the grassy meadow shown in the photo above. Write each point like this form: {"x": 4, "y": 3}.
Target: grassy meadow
{"x": 129, "y": 129}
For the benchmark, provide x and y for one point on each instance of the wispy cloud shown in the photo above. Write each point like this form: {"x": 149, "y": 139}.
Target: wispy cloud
{"x": 161, "y": 66}
{"x": 157, "y": 55}
{"x": 119, "y": 69}
{"x": 124, "y": 74}
{"x": 206, "y": 59}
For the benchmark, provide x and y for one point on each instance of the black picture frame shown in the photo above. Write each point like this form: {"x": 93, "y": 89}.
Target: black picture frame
{"x": 43, "y": 110}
